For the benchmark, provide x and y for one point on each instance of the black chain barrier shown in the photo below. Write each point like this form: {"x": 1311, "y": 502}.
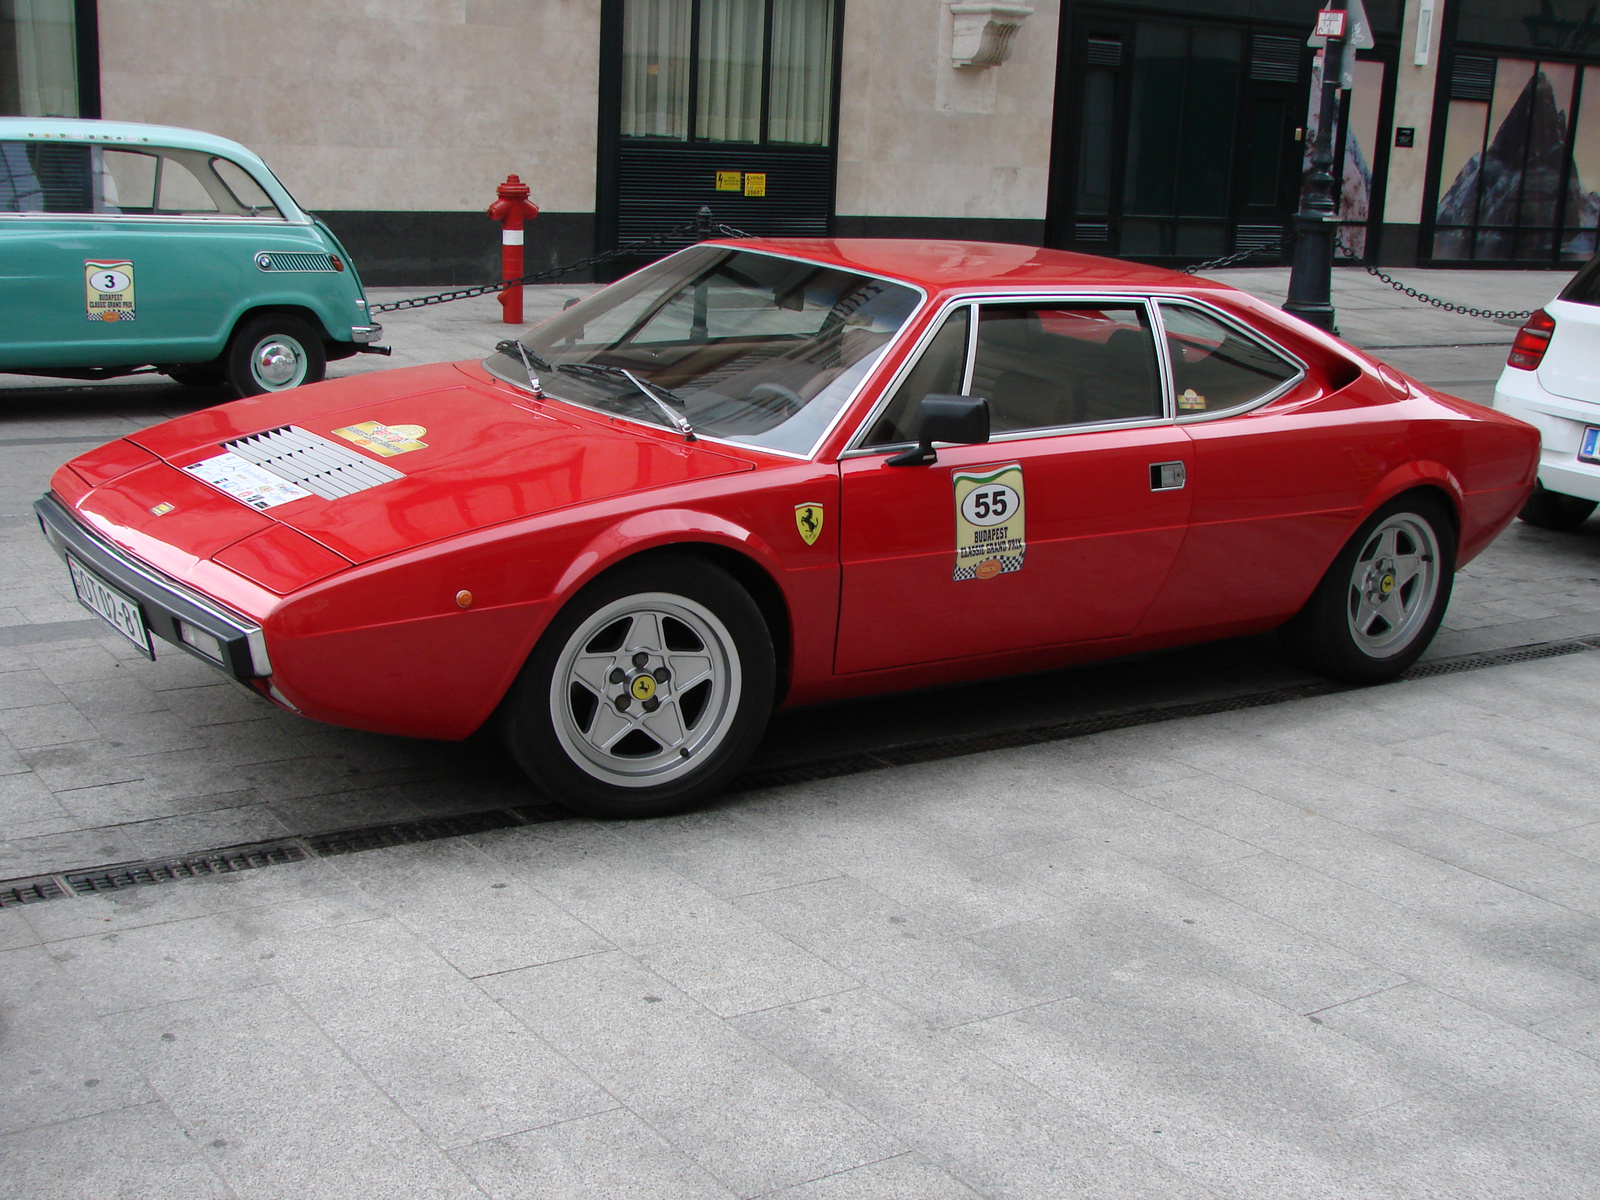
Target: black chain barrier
{"x": 702, "y": 225}
{"x": 1277, "y": 247}
{"x": 705, "y": 227}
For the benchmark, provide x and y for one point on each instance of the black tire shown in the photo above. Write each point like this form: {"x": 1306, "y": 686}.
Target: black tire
{"x": 273, "y": 353}
{"x": 1381, "y": 601}
{"x": 1556, "y": 510}
{"x": 669, "y": 631}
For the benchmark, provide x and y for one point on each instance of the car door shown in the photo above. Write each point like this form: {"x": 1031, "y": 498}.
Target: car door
{"x": 1060, "y": 529}
{"x": 1277, "y": 482}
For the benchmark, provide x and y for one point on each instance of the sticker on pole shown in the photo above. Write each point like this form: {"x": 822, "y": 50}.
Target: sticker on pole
{"x": 991, "y": 524}
{"x": 109, "y": 288}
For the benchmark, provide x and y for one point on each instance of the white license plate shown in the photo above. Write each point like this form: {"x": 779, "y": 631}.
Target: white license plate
{"x": 117, "y": 610}
{"x": 1589, "y": 446}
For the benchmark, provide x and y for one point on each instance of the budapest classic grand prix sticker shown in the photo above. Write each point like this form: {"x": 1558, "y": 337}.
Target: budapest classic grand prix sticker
{"x": 991, "y": 525}
{"x": 109, "y": 287}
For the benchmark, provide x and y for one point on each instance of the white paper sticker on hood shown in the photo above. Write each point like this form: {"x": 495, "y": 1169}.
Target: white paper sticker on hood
{"x": 246, "y": 482}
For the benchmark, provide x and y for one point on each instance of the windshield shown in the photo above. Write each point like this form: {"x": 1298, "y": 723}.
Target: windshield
{"x": 742, "y": 346}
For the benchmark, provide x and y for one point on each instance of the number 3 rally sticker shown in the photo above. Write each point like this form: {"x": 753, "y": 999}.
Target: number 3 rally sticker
{"x": 991, "y": 528}
{"x": 110, "y": 289}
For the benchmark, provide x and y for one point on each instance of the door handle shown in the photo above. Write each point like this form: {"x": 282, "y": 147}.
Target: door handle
{"x": 1167, "y": 476}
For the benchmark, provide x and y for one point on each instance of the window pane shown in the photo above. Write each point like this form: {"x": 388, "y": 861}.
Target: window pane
{"x": 252, "y": 197}
{"x": 1214, "y": 367}
{"x": 181, "y": 192}
{"x": 1205, "y": 155}
{"x": 1154, "y": 118}
{"x": 1549, "y": 97}
{"x": 729, "y": 108}
{"x": 655, "y": 69}
{"x": 127, "y": 181}
{"x": 1583, "y": 202}
{"x": 1041, "y": 367}
{"x": 1095, "y": 149}
{"x": 38, "y": 58}
{"x": 802, "y": 72}
{"x": 20, "y": 190}
{"x": 1463, "y": 154}
{"x": 63, "y": 175}
{"x": 938, "y": 372}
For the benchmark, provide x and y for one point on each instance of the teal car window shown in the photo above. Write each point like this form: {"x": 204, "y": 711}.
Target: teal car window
{"x": 127, "y": 181}
{"x": 178, "y": 191}
{"x": 246, "y": 191}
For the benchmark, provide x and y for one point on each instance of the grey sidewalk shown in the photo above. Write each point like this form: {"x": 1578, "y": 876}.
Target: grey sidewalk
{"x": 1348, "y": 947}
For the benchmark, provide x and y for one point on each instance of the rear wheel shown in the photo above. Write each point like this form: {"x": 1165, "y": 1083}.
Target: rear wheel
{"x": 647, "y": 693}
{"x": 1555, "y": 510}
{"x": 273, "y": 353}
{"x": 1381, "y": 601}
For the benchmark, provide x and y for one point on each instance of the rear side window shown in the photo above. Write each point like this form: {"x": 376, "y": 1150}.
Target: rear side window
{"x": 1585, "y": 285}
{"x": 1214, "y": 367}
{"x": 250, "y": 194}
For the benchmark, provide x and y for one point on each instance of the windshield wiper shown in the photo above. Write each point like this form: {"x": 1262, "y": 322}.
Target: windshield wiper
{"x": 653, "y": 392}
{"x": 528, "y": 363}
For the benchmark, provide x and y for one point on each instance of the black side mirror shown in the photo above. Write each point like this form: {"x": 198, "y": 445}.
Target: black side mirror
{"x": 963, "y": 420}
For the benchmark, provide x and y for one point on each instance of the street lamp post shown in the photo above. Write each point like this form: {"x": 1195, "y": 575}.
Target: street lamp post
{"x": 1311, "y": 276}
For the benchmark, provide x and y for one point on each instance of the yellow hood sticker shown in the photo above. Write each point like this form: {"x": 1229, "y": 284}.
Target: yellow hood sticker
{"x": 387, "y": 440}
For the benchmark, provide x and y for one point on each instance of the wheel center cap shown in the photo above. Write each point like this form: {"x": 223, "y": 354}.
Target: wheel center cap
{"x": 1386, "y": 584}
{"x": 276, "y": 364}
{"x": 643, "y": 687}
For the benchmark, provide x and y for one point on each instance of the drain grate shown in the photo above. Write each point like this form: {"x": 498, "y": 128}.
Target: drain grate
{"x": 431, "y": 829}
{"x": 229, "y": 860}
{"x": 1500, "y": 658}
{"x": 29, "y": 891}
{"x": 215, "y": 862}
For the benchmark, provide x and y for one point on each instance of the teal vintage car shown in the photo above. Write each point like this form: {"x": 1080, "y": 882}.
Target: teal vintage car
{"x": 134, "y": 247}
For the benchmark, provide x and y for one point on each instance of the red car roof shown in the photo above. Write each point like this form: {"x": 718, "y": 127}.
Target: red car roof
{"x": 941, "y": 265}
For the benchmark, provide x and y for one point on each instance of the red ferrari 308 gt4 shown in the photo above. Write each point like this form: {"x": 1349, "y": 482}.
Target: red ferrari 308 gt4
{"x": 777, "y": 472}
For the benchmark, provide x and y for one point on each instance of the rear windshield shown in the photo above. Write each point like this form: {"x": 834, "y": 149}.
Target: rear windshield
{"x": 1585, "y": 285}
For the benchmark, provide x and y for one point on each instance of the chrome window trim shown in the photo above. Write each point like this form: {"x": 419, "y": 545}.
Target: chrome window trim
{"x": 856, "y": 450}
{"x": 1288, "y": 385}
{"x": 156, "y": 218}
{"x": 838, "y": 417}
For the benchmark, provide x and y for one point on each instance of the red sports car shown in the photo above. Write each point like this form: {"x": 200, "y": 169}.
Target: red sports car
{"x": 778, "y": 472}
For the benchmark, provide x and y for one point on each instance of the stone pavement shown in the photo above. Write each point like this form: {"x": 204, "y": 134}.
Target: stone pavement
{"x": 1339, "y": 947}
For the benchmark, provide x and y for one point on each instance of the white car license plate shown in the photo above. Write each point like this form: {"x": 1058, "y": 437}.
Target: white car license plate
{"x": 117, "y": 610}
{"x": 1589, "y": 446}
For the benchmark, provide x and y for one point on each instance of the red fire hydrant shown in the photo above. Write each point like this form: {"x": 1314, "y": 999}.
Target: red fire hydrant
{"x": 511, "y": 210}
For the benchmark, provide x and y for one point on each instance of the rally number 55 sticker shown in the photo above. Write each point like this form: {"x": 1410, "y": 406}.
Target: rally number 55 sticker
{"x": 991, "y": 522}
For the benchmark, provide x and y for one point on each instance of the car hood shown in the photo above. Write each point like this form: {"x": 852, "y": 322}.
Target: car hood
{"x": 469, "y": 453}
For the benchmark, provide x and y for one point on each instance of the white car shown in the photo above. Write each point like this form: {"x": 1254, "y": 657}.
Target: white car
{"x": 1552, "y": 380}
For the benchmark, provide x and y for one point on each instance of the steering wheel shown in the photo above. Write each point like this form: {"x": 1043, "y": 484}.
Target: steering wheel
{"x": 786, "y": 401}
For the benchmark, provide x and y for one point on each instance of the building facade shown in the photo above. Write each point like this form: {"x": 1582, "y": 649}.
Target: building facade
{"x": 1167, "y": 131}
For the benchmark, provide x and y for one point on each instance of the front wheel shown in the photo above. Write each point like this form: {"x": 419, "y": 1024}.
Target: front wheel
{"x": 647, "y": 693}
{"x": 1555, "y": 510}
{"x": 273, "y": 353}
{"x": 1381, "y": 601}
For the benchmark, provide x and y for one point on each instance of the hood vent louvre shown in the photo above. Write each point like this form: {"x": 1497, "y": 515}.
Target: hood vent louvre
{"x": 323, "y": 468}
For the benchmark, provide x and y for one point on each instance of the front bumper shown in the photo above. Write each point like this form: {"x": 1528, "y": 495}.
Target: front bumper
{"x": 163, "y": 601}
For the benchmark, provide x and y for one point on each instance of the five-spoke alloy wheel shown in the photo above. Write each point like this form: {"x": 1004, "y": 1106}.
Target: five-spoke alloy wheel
{"x": 647, "y": 693}
{"x": 1381, "y": 601}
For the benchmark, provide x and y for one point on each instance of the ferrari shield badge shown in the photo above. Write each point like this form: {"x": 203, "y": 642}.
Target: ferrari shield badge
{"x": 991, "y": 522}
{"x": 808, "y": 518}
